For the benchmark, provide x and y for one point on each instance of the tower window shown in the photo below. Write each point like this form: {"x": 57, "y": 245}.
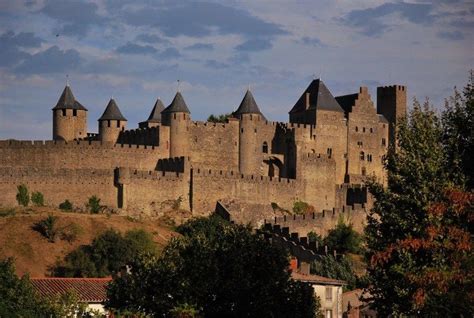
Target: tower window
{"x": 371, "y": 130}
{"x": 108, "y": 123}
{"x": 118, "y": 123}
{"x": 364, "y": 171}
{"x": 265, "y": 147}
{"x": 362, "y": 156}
{"x": 384, "y": 142}
{"x": 357, "y": 129}
{"x": 329, "y": 152}
{"x": 363, "y": 129}
{"x": 64, "y": 112}
{"x": 74, "y": 112}
{"x": 174, "y": 116}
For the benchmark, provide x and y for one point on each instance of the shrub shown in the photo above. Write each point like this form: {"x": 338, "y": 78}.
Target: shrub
{"x": 301, "y": 207}
{"x": 177, "y": 203}
{"x": 341, "y": 269}
{"x": 314, "y": 237}
{"x": 37, "y": 198}
{"x": 7, "y": 212}
{"x": 48, "y": 228}
{"x": 22, "y": 196}
{"x": 343, "y": 239}
{"x": 94, "y": 204}
{"x": 66, "y": 206}
{"x": 71, "y": 232}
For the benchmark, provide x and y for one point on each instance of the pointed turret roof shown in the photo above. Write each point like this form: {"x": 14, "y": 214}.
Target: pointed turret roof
{"x": 155, "y": 115}
{"x": 178, "y": 105}
{"x": 319, "y": 98}
{"x": 248, "y": 105}
{"x": 68, "y": 101}
{"x": 112, "y": 112}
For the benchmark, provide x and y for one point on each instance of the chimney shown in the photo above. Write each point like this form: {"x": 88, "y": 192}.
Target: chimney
{"x": 293, "y": 264}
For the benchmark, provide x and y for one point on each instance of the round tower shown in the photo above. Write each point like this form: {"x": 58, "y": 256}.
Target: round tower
{"x": 250, "y": 156}
{"x": 111, "y": 123}
{"x": 69, "y": 118}
{"x": 177, "y": 116}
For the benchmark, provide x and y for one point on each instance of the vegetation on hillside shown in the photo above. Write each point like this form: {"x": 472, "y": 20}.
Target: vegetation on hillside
{"x": 222, "y": 118}
{"x": 216, "y": 269}
{"x": 419, "y": 247}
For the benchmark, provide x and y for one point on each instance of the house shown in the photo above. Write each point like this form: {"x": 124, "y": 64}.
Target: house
{"x": 91, "y": 291}
{"x": 355, "y": 307}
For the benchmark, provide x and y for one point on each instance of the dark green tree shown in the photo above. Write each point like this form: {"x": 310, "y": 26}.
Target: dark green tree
{"x": 222, "y": 118}
{"x": 222, "y": 269}
{"x": 458, "y": 135}
{"x": 408, "y": 244}
{"x": 329, "y": 266}
{"x": 343, "y": 238}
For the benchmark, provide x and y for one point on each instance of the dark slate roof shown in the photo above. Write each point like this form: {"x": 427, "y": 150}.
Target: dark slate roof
{"x": 89, "y": 290}
{"x": 178, "y": 105}
{"x": 112, "y": 112}
{"x": 382, "y": 119}
{"x": 248, "y": 105}
{"x": 347, "y": 101}
{"x": 155, "y": 115}
{"x": 319, "y": 98}
{"x": 68, "y": 101}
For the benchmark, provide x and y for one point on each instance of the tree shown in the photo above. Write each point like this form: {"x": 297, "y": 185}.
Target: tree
{"x": 22, "y": 196}
{"x": 222, "y": 269}
{"x": 458, "y": 134}
{"x": 37, "y": 198}
{"x": 329, "y": 266}
{"x": 94, "y": 204}
{"x": 48, "y": 227}
{"x": 18, "y": 296}
{"x": 410, "y": 246}
{"x": 343, "y": 238}
{"x": 222, "y": 118}
{"x": 66, "y": 206}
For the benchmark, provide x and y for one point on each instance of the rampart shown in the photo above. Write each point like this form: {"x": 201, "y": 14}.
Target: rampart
{"x": 78, "y": 155}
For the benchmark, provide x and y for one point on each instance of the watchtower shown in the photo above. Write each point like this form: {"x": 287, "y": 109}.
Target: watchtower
{"x": 111, "y": 123}
{"x": 155, "y": 116}
{"x": 250, "y": 118}
{"x": 177, "y": 117}
{"x": 392, "y": 104}
{"x": 69, "y": 117}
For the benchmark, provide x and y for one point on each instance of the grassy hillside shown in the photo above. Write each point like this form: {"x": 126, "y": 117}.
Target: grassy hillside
{"x": 34, "y": 254}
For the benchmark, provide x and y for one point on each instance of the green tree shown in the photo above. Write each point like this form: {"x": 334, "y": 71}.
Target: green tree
{"x": 37, "y": 198}
{"x": 48, "y": 227}
{"x": 343, "y": 239}
{"x": 223, "y": 269}
{"x": 408, "y": 244}
{"x": 94, "y": 204}
{"x": 218, "y": 118}
{"x": 341, "y": 269}
{"x": 66, "y": 206}
{"x": 458, "y": 134}
{"x": 18, "y": 298}
{"x": 22, "y": 195}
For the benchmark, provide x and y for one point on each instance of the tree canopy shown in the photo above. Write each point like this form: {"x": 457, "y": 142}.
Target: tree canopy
{"x": 220, "y": 269}
{"x": 418, "y": 236}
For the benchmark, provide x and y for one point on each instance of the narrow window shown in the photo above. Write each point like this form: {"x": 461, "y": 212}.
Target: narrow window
{"x": 364, "y": 171}
{"x": 357, "y": 129}
{"x": 265, "y": 147}
{"x": 64, "y": 112}
{"x": 118, "y": 123}
{"x": 329, "y": 152}
{"x": 384, "y": 142}
{"x": 108, "y": 123}
{"x": 174, "y": 116}
{"x": 74, "y": 112}
{"x": 329, "y": 293}
{"x": 362, "y": 156}
{"x": 363, "y": 129}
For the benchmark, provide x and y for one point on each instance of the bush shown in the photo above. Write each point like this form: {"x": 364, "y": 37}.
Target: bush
{"x": 314, "y": 237}
{"x": 94, "y": 204}
{"x": 22, "y": 196}
{"x": 177, "y": 203}
{"x": 301, "y": 207}
{"x": 343, "y": 239}
{"x": 48, "y": 228}
{"x": 71, "y": 232}
{"x": 341, "y": 269}
{"x": 66, "y": 206}
{"x": 37, "y": 198}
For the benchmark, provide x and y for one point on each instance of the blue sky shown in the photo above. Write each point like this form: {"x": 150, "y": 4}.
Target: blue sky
{"x": 136, "y": 50}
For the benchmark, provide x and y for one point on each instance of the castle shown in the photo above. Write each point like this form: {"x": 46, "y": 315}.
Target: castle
{"x": 322, "y": 156}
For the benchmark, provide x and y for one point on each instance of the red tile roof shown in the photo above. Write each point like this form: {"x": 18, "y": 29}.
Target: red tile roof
{"x": 89, "y": 290}
{"x": 316, "y": 279}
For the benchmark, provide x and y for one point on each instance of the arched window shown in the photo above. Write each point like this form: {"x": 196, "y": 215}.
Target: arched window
{"x": 265, "y": 147}
{"x": 362, "y": 155}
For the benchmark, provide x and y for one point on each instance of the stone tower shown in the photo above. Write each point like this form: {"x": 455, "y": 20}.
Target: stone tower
{"x": 392, "y": 104}
{"x": 111, "y": 123}
{"x": 250, "y": 116}
{"x": 69, "y": 117}
{"x": 155, "y": 116}
{"x": 177, "y": 117}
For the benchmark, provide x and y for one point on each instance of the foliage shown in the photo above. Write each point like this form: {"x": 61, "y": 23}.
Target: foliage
{"x": 314, "y": 237}
{"x": 37, "y": 198}
{"x": 223, "y": 269}
{"x": 177, "y": 203}
{"x": 7, "y": 212}
{"x": 218, "y": 118}
{"x": 22, "y": 195}
{"x": 458, "y": 135}
{"x": 301, "y": 207}
{"x": 18, "y": 296}
{"x": 71, "y": 232}
{"x": 418, "y": 234}
{"x": 94, "y": 204}
{"x": 343, "y": 239}
{"x": 66, "y": 206}
{"x": 48, "y": 227}
{"x": 184, "y": 311}
{"x": 67, "y": 305}
{"x": 329, "y": 266}
{"x": 106, "y": 255}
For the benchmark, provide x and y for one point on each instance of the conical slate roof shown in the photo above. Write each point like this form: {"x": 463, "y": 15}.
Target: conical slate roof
{"x": 319, "y": 98}
{"x": 248, "y": 105}
{"x": 112, "y": 112}
{"x": 68, "y": 101}
{"x": 177, "y": 105}
{"x": 155, "y": 115}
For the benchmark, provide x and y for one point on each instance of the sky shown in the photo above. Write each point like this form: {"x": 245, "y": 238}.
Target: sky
{"x": 136, "y": 51}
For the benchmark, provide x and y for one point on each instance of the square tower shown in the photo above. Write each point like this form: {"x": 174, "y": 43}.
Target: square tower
{"x": 392, "y": 104}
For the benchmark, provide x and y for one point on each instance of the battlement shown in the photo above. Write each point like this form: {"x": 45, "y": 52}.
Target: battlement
{"x": 156, "y": 175}
{"x": 212, "y": 125}
{"x": 317, "y": 157}
{"x": 391, "y": 88}
{"x": 221, "y": 174}
{"x": 177, "y": 164}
